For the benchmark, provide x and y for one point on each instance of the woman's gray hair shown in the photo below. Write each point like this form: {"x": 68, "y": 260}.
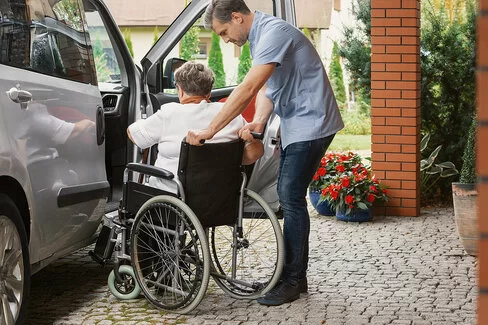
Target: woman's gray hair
{"x": 194, "y": 78}
{"x": 222, "y": 10}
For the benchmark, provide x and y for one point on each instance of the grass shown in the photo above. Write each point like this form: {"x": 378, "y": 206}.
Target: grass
{"x": 349, "y": 142}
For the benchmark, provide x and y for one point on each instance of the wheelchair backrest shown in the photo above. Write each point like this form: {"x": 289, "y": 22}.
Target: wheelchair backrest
{"x": 211, "y": 177}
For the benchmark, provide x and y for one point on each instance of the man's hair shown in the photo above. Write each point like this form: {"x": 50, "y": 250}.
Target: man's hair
{"x": 222, "y": 10}
{"x": 194, "y": 78}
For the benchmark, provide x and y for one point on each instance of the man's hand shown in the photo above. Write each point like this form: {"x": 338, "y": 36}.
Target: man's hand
{"x": 245, "y": 132}
{"x": 198, "y": 137}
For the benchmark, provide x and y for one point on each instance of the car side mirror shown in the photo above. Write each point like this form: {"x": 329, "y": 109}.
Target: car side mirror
{"x": 169, "y": 72}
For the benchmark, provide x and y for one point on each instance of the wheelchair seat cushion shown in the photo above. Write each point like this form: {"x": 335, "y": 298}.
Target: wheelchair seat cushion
{"x": 211, "y": 178}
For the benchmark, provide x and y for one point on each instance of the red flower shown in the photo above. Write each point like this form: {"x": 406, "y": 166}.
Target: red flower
{"x": 340, "y": 168}
{"x": 321, "y": 171}
{"x": 325, "y": 191}
{"x": 345, "y": 182}
{"x": 334, "y": 193}
{"x": 349, "y": 199}
{"x": 316, "y": 177}
{"x": 372, "y": 188}
{"x": 370, "y": 198}
{"x": 323, "y": 161}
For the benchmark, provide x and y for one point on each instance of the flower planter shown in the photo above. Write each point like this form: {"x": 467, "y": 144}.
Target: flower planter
{"x": 322, "y": 208}
{"x": 356, "y": 215}
{"x": 465, "y": 214}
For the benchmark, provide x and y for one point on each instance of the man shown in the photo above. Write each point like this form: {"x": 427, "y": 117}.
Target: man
{"x": 288, "y": 77}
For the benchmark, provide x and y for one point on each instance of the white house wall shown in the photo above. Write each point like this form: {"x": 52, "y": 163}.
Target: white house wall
{"x": 142, "y": 37}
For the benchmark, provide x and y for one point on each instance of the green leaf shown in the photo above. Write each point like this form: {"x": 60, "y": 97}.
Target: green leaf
{"x": 426, "y": 163}
{"x": 424, "y": 142}
{"x": 447, "y": 165}
{"x": 434, "y": 170}
{"x": 362, "y": 206}
{"x": 434, "y": 153}
{"x": 449, "y": 172}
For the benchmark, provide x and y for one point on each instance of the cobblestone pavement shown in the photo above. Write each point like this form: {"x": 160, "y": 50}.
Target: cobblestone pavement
{"x": 393, "y": 270}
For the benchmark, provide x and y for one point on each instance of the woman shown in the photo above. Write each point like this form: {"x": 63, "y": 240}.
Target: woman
{"x": 171, "y": 123}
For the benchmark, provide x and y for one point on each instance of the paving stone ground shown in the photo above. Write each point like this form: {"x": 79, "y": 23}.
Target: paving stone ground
{"x": 393, "y": 270}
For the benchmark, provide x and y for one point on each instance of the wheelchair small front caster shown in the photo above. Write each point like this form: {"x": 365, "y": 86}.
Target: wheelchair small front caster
{"x": 129, "y": 289}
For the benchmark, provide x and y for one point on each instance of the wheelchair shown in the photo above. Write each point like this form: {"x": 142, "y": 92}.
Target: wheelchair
{"x": 168, "y": 245}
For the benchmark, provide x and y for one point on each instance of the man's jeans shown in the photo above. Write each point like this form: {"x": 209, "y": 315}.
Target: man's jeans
{"x": 298, "y": 163}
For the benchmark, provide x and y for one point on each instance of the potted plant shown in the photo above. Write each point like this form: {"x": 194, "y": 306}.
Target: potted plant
{"x": 353, "y": 192}
{"x": 464, "y": 195}
{"x": 331, "y": 165}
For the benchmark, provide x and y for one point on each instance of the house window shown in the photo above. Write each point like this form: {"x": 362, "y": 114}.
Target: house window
{"x": 203, "y": 49}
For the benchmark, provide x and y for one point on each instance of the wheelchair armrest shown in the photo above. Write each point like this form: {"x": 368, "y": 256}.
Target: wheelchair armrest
{"x": 150, "y": 170}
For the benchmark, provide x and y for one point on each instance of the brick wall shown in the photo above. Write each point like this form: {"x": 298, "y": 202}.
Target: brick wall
{"x": 482, "y": 157}
{"x": 395, "y": 102}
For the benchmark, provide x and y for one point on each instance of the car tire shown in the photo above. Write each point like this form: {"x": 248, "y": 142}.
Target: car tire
{"x": 14, "y": 263}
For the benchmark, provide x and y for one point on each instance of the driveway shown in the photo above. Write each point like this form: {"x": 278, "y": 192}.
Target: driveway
{"x": 393, "y": 270}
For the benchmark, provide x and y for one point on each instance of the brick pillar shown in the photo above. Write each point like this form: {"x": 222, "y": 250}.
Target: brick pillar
{"x": 395, "y": 102}
{"x": 482, "y": 157}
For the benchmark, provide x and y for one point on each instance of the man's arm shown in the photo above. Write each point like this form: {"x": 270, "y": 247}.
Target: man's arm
{"x": 236, "y": 103}
{"x": 264, "y": 107}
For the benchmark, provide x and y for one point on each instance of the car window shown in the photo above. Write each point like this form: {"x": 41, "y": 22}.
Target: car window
{"x": 229, "y": 62}
{"x": 14, "y": 34}
{"x": 106, "y": 64}
{"x": 46, "y": 39}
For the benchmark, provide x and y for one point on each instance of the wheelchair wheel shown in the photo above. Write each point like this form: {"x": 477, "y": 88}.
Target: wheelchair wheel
{"x": 249, "y": 266}
{"x": 170, "y": 255}
{"x": 127, "y": 290}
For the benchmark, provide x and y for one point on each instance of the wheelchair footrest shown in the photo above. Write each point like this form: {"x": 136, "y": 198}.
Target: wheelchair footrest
{"x": 107, "y": 238}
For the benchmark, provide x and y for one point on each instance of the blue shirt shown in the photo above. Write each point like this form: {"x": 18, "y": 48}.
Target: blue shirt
{"x": 299, "y": 86}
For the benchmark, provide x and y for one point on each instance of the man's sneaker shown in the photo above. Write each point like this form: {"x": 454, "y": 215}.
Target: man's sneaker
{"x": 282, "y": 293}
{"x": 303, "y": 285}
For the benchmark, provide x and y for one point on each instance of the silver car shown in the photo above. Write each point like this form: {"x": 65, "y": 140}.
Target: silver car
{"x": 68, "y": 90}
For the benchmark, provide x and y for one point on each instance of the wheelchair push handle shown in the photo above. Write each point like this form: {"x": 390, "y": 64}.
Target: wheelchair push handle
{"x": 255, "y": 135}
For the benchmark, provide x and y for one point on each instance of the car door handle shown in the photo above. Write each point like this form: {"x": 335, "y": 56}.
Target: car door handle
{"x": 100, "y": 125}
{"x": 23, "y": 97}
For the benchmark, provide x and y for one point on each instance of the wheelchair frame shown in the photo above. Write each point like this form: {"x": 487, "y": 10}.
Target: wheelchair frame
{"x": 177, "y": 275}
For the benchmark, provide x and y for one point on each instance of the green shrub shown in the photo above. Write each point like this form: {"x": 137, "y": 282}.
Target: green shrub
{"x": 468, "y": 171}
{"x": 355, "y": 122}
{"x": 189, "y": 43}
{"x": 155, "y": 34}
{"x": 431, "y": 173}
{"x": 448, "y": 77}
{"x": 245, "y": 62}
{"x": 128, "y": 41}
{"x": 336, "y": 77}
{"x": 448, "y": 82}
{"x": 355, "y": 48}
{"x": 216, "y": 62}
